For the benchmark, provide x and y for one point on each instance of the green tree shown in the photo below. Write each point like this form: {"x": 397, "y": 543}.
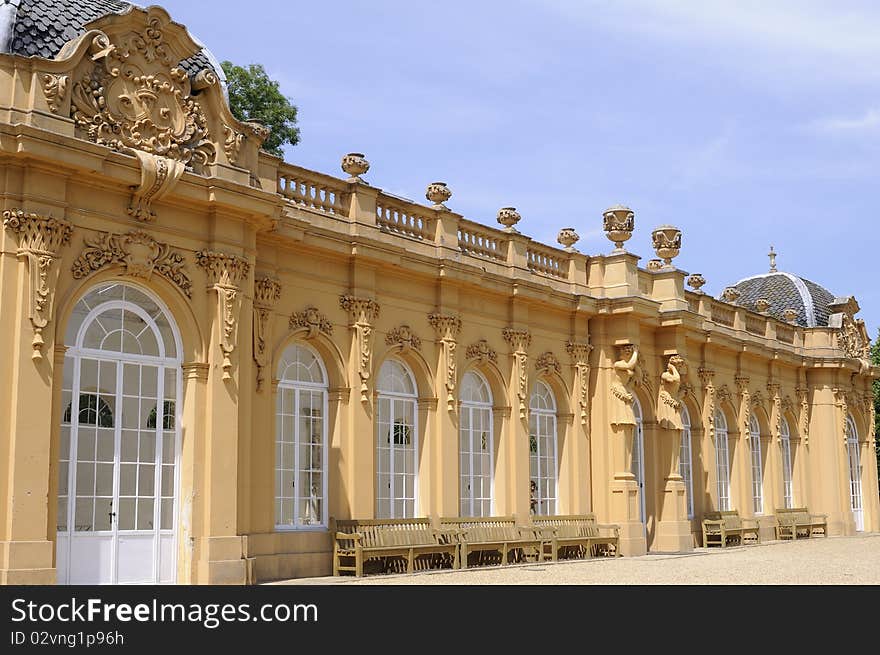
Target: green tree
{"x": 255, "y": 97}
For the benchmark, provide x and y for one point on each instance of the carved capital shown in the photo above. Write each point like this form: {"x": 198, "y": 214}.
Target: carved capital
{"x": 138, "y": 253}
{"x": 360, "y": 310}
{"x": 742, "y": 383}
{"x": 518, "y": 340}
{"x": 40, "y": 239}
{"x": 223, "y": 269}
{"x": 36, "y": 233}
{"x": 579, "y": 352}
{"x": 707, "y": 376}
{"x": 447, "y": 326}
{"x": 482, "y": 352}
{"x": 267, "y": 291}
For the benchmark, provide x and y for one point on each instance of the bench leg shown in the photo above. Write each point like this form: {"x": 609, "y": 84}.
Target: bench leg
{"x": 409, "y": 561}
{"x": 463, "y": 556}
{"x": 335, "y": 562}
{"x": 503, "y": 554}
{"x": 359, "y": 563}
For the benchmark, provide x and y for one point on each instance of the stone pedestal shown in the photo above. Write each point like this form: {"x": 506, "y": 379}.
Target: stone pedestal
{"x": 626, "y": 512}
{"x": 674, "y": 529}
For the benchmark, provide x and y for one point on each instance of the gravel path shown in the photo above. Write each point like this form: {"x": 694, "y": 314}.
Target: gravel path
{"x": 818, "y": 561}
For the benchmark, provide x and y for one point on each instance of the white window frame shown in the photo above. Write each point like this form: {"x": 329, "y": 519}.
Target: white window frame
{"x": 638, "y": 460}
{"x": 685, "y": 462}
{"x": 297, "y": 388}
{"x": 538, "y": 417}
{"x": 393, "y": 398}
{"x": 163, "y": 570}
{"x": 854, "y": 459}
{"x": 787, "y": 476}
{"x": 722, "y": 461}
{"x": 757, "y": 467}
{"x": 471, "y": 450}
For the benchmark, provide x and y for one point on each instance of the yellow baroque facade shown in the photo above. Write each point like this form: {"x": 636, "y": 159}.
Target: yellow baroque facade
{"x": 210, "y": 354}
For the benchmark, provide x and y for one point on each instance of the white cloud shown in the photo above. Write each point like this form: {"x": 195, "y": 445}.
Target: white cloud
{"x": 868, "y": 122}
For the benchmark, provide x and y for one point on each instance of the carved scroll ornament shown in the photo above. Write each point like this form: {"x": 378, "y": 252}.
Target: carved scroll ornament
{"x": 40, "y": 239}
{"x": 580, "y": 354}
{"x": 519, "y": 341}
{"x": 138, "y": 252}
{"x": 362, "y": 312}
{"x": 447, "y": 327}
{"x": 226, "y": 273}
{"x": 313, "y": 321}
{"x": 267, "y": 291}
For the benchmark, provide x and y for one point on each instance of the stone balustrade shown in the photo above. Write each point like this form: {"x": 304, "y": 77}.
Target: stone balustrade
{"x": 480, "y": 241}
{"x": 312, "y": 190}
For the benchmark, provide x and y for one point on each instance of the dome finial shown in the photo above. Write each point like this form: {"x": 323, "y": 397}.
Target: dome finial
{"x": 772, "y": 255}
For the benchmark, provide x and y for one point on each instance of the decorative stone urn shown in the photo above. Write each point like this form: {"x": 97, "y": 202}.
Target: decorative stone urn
{"x": 508, "y": 217}
{"x": 762, "y": 304}
{"x": 438, "y": 193}
{"x": 568, "y": 237}
{"x": 355, "y": 165}
{"x": 619, "y": 225}
{"x": 696, "y": 282}
{"x": 730, "y": 294}
{"x": 790, "y": 315}
{"x": 654, "y": 264}
{"x": 667, "y": 243}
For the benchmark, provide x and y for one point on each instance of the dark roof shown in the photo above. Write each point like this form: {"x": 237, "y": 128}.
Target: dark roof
{"x": 42, "y": 27}
{"x": 787, "y": 291}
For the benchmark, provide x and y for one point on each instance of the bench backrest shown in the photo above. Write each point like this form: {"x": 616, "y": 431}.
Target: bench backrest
{"x": 390, "y": 532}
{"x": 792, "y": 515}
{"x": 476, "y": 529}
{"x": 731, "y": 518}
{"x": 572, "y": 525}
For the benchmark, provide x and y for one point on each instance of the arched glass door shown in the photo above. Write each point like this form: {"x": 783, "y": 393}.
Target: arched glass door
{"x": 117, "y": 488}
{"x": 855, "y": 473}
{"x": 476, "y": 462}
{"x": 638, "y": 460}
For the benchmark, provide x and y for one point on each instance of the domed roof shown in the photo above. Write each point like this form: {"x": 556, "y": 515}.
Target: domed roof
{"x": 786, "y": 291}
{"x": 40, "y": 28}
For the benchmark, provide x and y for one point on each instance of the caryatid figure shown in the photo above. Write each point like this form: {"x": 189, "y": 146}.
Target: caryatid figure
{"x": 669, "y": 405}
{"x": 624, "y": 370}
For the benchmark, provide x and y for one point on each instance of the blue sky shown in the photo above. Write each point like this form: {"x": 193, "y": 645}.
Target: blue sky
{"x": 744, "y": 123}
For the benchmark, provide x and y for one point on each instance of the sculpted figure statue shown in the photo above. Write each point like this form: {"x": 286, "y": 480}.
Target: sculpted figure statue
{"x": 669, "y": 405}
{"x": 622, "y": 403}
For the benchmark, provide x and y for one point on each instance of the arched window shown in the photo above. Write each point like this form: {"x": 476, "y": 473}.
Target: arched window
{"x": 787, "y": 485}
{"x": 396, "y": 442}
{"x": 638, "y": 457}
{"x": 757, "y": 468}
{"x": 722, "y": 461}
{"x": 301, "y": 440}
{"x": 542, "y": 451}
{"x": 476, "y": 462}
{"x": 119, "y": 439}
{"x": 855, "y": 473}
{"x": 684, "y": 462}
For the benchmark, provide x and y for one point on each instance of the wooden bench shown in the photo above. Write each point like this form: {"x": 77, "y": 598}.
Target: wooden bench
{"x": 721, "y": 528}
{"x": 356, "y": 541}
{"x": 579, "y": 534}
{"x": 493, "y": 539}
{"x": 795, "y": 522}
